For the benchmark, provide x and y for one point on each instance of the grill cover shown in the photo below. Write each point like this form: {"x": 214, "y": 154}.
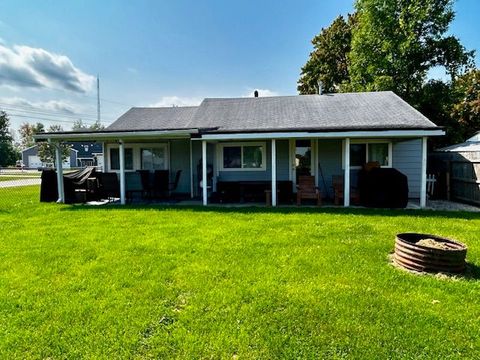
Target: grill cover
{"x": 383, "y": 188}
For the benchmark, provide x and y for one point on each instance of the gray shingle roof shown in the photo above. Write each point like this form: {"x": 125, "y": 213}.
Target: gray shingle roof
{"x": 347, "y": 111}
{"x": 165, "y": 118}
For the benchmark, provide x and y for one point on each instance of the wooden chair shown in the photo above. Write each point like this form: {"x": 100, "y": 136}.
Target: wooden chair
{"x": 338, "y": 191}
{"x": 306, "y": 189}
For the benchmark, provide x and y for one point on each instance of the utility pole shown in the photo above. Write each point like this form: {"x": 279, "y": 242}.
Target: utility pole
{"x": 98, "y": 99}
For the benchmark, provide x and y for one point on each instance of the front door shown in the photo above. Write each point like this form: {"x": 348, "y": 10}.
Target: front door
{"x": 303, "y": 159}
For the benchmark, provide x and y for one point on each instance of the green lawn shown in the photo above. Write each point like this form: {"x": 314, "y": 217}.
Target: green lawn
{"x": 155, "y": 282}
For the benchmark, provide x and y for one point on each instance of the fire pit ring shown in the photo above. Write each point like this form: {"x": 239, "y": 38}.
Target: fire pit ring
{"x": 432, "y": 254}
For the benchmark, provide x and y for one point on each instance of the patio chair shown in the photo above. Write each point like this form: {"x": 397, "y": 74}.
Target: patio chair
{"x": 133, "y": 184}
{"x": 160, "y": 183}
{"x": 339, "y": 188}
{"x": 146, "y": 177}
{"x": 173, "y": 185}
{"x": 306, "y": 189}
{"x": 109, "y": 185}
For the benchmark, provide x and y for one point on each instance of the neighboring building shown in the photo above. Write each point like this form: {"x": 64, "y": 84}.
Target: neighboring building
{"x": 31, "y": 160}
{"x": 269, "y": 139}
{"x": 88, "y": 154}
{"x": 458, "y": 170}
{"x": 82, "y": 154}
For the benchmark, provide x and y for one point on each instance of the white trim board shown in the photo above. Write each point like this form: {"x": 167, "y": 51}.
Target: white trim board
{"x": 324, "y": 135}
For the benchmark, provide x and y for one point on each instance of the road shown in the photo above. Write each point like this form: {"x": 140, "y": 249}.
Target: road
{"x": 20, "y": 182}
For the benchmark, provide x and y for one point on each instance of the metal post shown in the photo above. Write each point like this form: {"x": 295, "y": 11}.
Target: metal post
{"x": 204, "y": 173}
{"x": 121, "y": 151}
{"x": 58, "y": 160}
{"x": 346, "y": 181}
{"x": 274, "y": 173}
{"x": 423, "y": 188}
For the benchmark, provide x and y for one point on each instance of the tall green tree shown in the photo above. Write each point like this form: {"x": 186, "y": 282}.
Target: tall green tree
{"x": 27, "y": 131}
{"x": 396, "y": 42}
{"x": 7, "y": 150}
{"x": 328, "y": 62}
{"x": 79, "y": 125}
{"x": 466, "y": 110}
{"x": 46, "y": 151}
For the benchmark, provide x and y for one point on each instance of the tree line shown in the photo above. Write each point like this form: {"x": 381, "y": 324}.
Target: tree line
{"x": 394, "y": 45}
{"x": 10, "y": 151}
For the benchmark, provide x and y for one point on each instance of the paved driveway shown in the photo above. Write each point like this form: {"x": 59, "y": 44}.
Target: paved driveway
{"x": 20, "y": 182}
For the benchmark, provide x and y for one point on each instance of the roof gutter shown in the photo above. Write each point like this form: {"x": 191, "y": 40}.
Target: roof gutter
{"x": 115, "y": 135}
{"x": 325, "y": 135}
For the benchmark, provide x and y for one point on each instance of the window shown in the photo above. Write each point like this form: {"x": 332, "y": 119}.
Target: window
{"x": 115, "y": 159}
{"x": 362, "y": 153}
{"x": 358, "y": 154}
{"x": 153, "y": 158}
{"x": 246, "y": 156}
{"x": 378, "y": 152}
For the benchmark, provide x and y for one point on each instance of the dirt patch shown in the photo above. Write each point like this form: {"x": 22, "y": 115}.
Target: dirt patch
{"x": 434, "y": 244}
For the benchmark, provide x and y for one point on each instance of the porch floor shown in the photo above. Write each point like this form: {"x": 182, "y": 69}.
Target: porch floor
{"x": 438, "y": 205}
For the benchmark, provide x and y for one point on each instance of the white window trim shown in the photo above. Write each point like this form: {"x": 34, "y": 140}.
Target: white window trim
{"x": 137, "y": 156}
{"x": 369, "y": 141}
{"x": 117, "y": 147}
{"x": 262, "y": 145}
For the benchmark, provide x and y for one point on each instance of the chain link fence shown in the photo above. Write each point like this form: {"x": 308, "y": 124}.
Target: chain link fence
{"x": 14, "y": 179}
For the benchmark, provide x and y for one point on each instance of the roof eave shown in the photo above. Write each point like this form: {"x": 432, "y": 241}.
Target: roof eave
{"x": 115, "y": 135}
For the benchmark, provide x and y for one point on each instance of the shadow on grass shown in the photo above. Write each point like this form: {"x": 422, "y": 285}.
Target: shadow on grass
{"x": 279, "y": 210}
{"x": 472, "y": 272}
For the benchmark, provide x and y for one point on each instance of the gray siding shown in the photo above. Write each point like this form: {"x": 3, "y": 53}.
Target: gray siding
{"x": 180, "y": 160}
{"x": 282, "y": 166}
{"x": 407, "y": 158}
{"x": 32, "y": 151}
{"x": 329, "y": 164}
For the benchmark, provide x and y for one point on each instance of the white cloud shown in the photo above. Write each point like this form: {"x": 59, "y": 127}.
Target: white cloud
{"x": 58, "y": 106}
{"x": 167, "y": 101}
{"x": 261, "y": 92}
{"x": 24, "y": 66}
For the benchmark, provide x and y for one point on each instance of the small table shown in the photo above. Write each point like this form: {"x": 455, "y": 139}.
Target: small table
{"x": 268, "y": 197}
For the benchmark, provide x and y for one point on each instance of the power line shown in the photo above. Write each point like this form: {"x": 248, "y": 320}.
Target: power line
{"x": 46, "y": 119}
{"x": 63, "y": 91}
{"x": 46, "y": 112}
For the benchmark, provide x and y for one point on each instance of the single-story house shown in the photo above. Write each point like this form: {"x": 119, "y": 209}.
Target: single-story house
{"x": 81, "y": 154}
{"x": 268, "y": 139}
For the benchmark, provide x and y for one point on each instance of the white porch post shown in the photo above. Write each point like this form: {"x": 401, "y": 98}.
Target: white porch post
{"x": 423, "y": 189}
{"x": 121, "y": 151}
{"x": 204, "y": 172}
{"x": 274, "y": 173}
{"x": 58, "y": 160}
{"x": 346, "y": 181}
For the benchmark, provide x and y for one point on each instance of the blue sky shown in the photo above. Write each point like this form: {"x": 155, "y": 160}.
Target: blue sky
{"x": 161, "y": 52}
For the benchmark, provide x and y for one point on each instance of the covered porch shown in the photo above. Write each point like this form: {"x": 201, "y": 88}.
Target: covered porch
{"x": 258, "y": 167}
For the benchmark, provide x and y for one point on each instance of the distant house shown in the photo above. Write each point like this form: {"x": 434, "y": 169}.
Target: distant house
{"x": 88, "y": 153}
{"x": 237, "y": 143}
{"x": 81, "y": 154}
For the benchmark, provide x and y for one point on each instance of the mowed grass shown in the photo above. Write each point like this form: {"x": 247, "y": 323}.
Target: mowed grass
{"x": 156, "y": 282}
